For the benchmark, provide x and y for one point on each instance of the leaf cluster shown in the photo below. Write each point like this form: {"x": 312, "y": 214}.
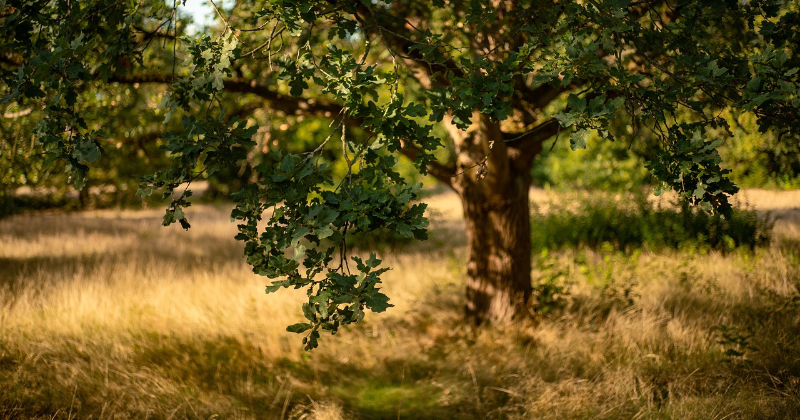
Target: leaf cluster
{"x": 304, "y": 236}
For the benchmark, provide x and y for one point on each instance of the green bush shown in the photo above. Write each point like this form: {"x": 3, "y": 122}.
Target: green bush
{"x": 756, "y": 159}
{"x": 603, "y": 165}
{"x": 629, "y": 223}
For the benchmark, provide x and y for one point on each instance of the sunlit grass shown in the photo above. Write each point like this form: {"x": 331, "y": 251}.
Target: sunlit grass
{"x": 107, "y": 315}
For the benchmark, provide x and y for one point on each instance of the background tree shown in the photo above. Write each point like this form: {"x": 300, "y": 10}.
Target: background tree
{"x": 500, "y": 77}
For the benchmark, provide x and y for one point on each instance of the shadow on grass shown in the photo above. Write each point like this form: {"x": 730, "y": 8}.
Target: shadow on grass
{"x": 267, "y": 388}
{"x": 190, "y": 253}
{"x": 425, "y": 363}
{"x": 433, "y": 367}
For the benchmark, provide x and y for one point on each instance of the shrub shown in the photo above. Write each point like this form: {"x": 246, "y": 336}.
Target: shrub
{"x": 629, "y": 223}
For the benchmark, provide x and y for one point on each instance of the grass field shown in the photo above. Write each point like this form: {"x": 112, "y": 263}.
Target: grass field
{"x": 107, "y": 315}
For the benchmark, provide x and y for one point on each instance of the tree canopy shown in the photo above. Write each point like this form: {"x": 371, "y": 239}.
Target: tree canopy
{"x": 490, "y": 81}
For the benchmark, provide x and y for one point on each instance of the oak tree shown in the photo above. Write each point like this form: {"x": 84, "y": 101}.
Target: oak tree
{"x": 492, "y": 82}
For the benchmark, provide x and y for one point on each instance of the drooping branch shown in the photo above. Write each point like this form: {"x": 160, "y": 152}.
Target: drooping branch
{"x": 279, "y": 101}
{"x": 295, "y": 106}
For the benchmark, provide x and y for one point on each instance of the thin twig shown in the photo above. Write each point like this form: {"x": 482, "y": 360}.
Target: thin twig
{"x": 225, "y": 21}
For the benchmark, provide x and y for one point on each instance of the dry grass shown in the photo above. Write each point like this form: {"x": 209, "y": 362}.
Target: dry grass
{"x": 107, "y": 315}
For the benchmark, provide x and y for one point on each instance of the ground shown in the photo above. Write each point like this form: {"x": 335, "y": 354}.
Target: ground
{"x": 105, "y": 314}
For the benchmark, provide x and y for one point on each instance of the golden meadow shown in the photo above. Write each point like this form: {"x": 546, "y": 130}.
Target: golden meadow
{"x": 108, "y": 315}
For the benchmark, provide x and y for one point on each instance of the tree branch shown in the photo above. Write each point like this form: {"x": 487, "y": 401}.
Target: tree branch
{"x": 443, "y": 173}
{"x": 279, "y": 101}
{"x": 541, "y": 96}
{"x": 398, "y": 38}
{"x": 530, "y": 142}
{"x": 292, "y": 105}
{"x": 155, "y": 33}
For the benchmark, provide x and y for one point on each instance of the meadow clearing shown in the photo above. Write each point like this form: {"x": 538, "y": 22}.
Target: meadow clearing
{"x": 108, "y": 315}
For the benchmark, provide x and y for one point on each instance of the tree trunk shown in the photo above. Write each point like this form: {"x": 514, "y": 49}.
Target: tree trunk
{"x": 498, "y": 253}
{"x": 83, "y": 197}
{"x": 496, "y": 212}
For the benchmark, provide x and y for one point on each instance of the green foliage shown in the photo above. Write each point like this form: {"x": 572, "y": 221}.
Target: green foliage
{"x": 585, "y": 118}
{"x": 691, "y": 166}
{"x": 671, "y": 71}
{"x": 549, "y": 290}
{"x": 303, "y": 213}
{"x": 760, "y": 160}
{"x": 603, "y": 165}
{"x": 755, "y": 160}
{"x": 629, "y": 223}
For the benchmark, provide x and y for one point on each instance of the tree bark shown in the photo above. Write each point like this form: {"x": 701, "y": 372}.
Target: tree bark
{"x": 499, "y": 253}
{"x": 496, "y": 212}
